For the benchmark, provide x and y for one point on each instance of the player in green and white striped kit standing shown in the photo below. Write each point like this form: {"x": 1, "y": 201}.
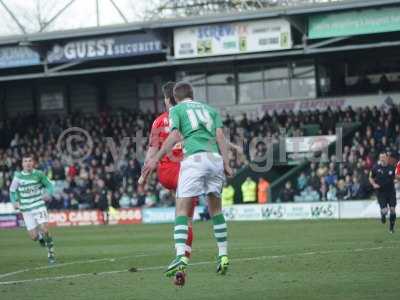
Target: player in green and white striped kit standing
{"x": 26, "y": 192}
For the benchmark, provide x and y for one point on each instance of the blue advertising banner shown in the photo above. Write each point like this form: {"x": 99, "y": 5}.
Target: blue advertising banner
{"x": 8, "y": 221}
{"x": 158, "y": 215}
{"x": 104, "y": 48}
{"x": 165, "y": 214}
{"x": 11, "y": 57}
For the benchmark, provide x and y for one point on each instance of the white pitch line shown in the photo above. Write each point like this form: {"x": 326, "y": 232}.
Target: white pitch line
{"x": 109, "y": 259}
{"x": 195, "y": 264}
{"x": 58, "y": 265}
{"x": 106, "y": 259}
{"x": 14, "y": 273}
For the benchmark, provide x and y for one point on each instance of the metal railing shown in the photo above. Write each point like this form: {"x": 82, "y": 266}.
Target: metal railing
{"x": 181, "y": 8}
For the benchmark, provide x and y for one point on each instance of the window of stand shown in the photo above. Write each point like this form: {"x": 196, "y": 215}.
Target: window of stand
{"x": 359, "y": 75}
{"x": 215, "y": 87}
{"x": 255, "y": 83}
{"x": 276, "y": 82}
{"x": 145, "y": 91}
{"x": 302, "y": 80}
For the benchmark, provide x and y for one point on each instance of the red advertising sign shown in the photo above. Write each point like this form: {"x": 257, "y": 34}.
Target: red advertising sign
{"x": 94, "y": 217}
{"x": 125, "y": 216}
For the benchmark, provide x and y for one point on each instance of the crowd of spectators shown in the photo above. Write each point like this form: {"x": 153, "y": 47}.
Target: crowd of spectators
{"x": 102, "y": 178}
{"x": 97, "y": 182}
{"x": 348, "y": 178}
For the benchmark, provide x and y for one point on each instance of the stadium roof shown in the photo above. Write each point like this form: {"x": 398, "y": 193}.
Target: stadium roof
{"x": 180, "y": 22}
{"x": 295, "y": 15}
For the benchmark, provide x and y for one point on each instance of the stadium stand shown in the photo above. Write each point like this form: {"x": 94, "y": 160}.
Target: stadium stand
{"x": 94, "y": 183}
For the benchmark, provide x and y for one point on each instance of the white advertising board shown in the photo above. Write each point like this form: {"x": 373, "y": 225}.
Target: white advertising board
{"x": 232, "y": 38}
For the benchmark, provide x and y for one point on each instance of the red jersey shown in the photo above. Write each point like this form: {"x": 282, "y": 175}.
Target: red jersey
{"x": 397, "y": 172}
{"x": 159, "y": 133}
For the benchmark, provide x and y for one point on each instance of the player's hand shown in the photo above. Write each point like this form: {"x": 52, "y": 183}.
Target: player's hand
{"x": 143, "y": 178}
{"x": 376, "y": 186}
{"x": 238, "y": 149}
{"x": 228, "y": 170}
{"x": 148, "y": 168}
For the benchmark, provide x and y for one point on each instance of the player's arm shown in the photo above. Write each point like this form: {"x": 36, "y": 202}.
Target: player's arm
{"x": 173, "y": 138}
{"x": 47, "y": 184}
{"x": 223, "y": 148}
{"x": 13, "y": 193}
{"x": 152, "y": 162}
{"x": 239, "y": 150}
{"x": 235, "y": 147}
{"x": 153, "y": 147}
{"x": 222, "y": 143}
{"x": 167, "y": 146}
{"x": 372, "y": 179}
{"x": 151, "y": 151}
{"x": 153, "y": 142}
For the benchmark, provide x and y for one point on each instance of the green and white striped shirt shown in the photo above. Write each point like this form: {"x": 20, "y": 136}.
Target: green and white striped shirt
{"x": 27, "y": 189}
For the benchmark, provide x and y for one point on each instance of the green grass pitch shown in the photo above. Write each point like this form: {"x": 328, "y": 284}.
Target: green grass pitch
{"x": 354, "y": 259}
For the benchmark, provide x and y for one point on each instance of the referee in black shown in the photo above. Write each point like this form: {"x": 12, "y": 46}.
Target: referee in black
{"x": 382, "y": 178}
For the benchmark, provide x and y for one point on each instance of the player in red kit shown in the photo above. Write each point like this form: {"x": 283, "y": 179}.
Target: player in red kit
{"x": 169, "y": 166}
{"x": 397, "y": 172}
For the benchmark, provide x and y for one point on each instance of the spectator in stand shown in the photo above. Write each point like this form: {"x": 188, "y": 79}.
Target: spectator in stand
{"x": 262, "y": 190}
{"x": 342, "y": 191}
{"x": 302, "y": 182}
{"x": 323, "y": 190}
{"x": 86, "y": 199}
{"x": 308, "y": 195}
{"x": 57, "y": 170}
{"x": 141, "y": 199}
{"x": 227, "y": 195}
{"x": 288, "y": 193}
{"x": 125, "y": 201}
{"x": 249, "y": 191}
{"x": 150, "y": 200}
{"x": 348, "y": 186}
{"x": 384, "y": 84}
{"x": 4, "y": 196}
{"x": 331, "y": 194}
{"x": 331, "y": 178}
{"x": 114, "y": 199}
{"x": 365, "y": 186}
{"x": 135, "y": 200}
{"x": 356, "y": 191}
{"x": 314, "y": 181}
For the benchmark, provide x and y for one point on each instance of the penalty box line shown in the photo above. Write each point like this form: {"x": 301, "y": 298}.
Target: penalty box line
{"x": 263, "y": 257}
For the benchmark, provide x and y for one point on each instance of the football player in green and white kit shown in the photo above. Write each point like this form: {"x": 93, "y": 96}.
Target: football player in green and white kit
{"x": 202, "y": 170}
{"x": 26, "y": 193}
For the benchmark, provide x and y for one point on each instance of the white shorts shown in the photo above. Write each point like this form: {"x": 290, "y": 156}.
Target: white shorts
{"x": 35, "y": 217}
{"x": 201, "y": 173}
